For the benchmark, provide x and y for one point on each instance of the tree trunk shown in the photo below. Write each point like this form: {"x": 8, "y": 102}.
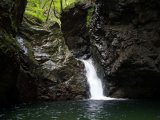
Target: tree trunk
{"x": 45, "y": 4}
{"x": 61, "y": 5}
{"x": 55, "y": 13}
{"x": 49, "y": 10}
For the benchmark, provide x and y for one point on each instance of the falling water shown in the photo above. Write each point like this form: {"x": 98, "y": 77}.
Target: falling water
{"x": 95, "y": 83}
{"x": 21, "y": 43}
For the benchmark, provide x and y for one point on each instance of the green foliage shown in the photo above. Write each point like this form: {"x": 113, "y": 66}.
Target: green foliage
{"x": 89, "y": 17}
{"x": 34, "y": 9}
{"x": 41, "y": 9}
{"x": 39, "y": 18}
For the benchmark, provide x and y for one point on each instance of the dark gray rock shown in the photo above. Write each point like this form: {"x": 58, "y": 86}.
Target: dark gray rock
{"x": 74, "y": 21}
{"x": 60, "y": 75}
{"x": 125, "y": 34}
{"x": 35, "y": 62}
{"x": 11, "y": 14}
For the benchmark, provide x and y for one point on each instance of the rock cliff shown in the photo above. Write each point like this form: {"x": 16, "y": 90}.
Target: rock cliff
{"x": 126, "y": 37}
{"x": 11, "y": 14}
{"x": 74, "y": 28}
{"x": 60, "y": 75}
{"x": 35, "y": 63}
{"x": 123, "y": 41}
{"x": 39, "y": 63}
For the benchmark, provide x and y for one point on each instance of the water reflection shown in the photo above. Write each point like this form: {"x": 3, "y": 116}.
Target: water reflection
{"x": 84, "y": 110}
{"x": 94, "y": 109}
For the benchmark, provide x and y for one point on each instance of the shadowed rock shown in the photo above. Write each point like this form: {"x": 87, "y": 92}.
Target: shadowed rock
{"x": 125, "y": 35}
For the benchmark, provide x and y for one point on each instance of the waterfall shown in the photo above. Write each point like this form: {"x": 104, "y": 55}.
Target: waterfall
{"x": 21, "y": 43}
{"x": 95, "y": 83}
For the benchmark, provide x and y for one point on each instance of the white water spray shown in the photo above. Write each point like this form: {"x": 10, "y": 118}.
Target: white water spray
{"x": 21, "y": 43}
{"x": 95, "y": 84}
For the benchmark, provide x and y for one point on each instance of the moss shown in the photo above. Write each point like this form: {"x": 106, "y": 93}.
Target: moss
{"x": 72, "y": 5}
{"x": 39, "y": 10}
{"x": 34, "y": 18}
{"x": 89, "y": 16}
{"x": 8, "y": 44}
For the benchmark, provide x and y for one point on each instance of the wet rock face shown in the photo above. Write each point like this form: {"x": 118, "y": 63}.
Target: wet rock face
{"x": 60, "y": 75}
{"x": 74, "y": 29}
{"x": 11, "y": 14}
{"x": 8, "y": 91}
{"x": 35, "y": 62}
{"x": 126, "y": 36}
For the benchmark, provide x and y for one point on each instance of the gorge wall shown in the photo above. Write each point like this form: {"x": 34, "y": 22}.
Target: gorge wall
{"x": 35, "y": 63}
{"x": 126, "y": 36}
{"x": 11, "y": 14}
{"x": 59, "y": 75}
{"x": 124, "y": 41}
{"x": 123, "y": 38}
{"x": 74, "y": 21}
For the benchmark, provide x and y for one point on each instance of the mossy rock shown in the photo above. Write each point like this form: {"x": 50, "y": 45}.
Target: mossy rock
{"x": 8, "y": 44}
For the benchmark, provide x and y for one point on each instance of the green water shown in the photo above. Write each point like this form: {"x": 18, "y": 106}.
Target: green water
{"x": 84, "y": 110}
